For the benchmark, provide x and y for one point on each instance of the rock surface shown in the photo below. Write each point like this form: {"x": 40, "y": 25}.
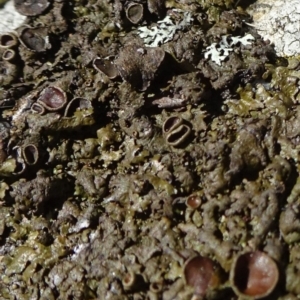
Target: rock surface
{"x": 279, "y": 22}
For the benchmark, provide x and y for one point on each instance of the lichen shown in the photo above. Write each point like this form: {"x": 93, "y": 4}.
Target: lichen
{"x": 218, "y": 52}
{"x": 127, "y": 151}
{"x": 278, "y": 22}
{"x": 166, "y": 28}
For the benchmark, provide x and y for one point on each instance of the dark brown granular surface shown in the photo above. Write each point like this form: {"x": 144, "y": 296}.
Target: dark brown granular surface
{"x": 96, "y": 193}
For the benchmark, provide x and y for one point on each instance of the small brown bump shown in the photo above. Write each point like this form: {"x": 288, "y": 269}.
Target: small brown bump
{"x": 156, "y": 287}
{"x": 193, "y": 201}
{"x": 139, "y": 65}
{"x": 8, "y": 72}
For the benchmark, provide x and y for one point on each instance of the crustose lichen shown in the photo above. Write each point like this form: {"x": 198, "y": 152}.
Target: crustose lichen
{"x": 279, "y": 21}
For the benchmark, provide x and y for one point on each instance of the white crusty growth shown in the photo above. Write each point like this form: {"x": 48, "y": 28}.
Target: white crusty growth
{"x": 279, "y": 22}
{"x": 165, "y": 29}
{"x": 219, "y": 51}
{"x": 10, "y": 19}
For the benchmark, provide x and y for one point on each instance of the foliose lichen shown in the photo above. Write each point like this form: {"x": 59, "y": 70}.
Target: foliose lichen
{"x": 166, "y": 29}
{"x": 218, "y": 52}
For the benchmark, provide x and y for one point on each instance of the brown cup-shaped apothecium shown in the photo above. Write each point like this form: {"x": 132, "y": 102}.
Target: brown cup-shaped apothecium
{"x": 202, "y": 274}
{"x": 52, "y": 98}
{"x": 172, "y": 123}
{"x": 134, "y": 12}
{"x": 31, "y": 7}
{"x": 254, "y": 275}
{"x": 9, "y": 55}
{"x": 30, "y": 154}
{"x": 76, "y": 104}
{"x": 35, "y": 39}
{"x": 106, "y": 66}
{"x": 20, "y": 164}
{"x": 129, "y": 281}
{"x": 37, "y": 108}
{"x": 8, "y": 40}
{"x": 179, "y": 135}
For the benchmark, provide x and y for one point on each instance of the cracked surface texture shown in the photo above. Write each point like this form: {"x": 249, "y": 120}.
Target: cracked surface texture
{"x": 279, "y": 22}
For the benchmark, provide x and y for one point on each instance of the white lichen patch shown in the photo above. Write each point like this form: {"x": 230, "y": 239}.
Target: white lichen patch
{"x": 219, "y": 51}
{"x": 279, "y": 22}
{"x": 10, "y": 19}
{"x": 165, "y": 29}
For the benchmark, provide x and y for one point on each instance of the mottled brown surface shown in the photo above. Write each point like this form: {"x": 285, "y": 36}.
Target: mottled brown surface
{"x": 181, "y": 154}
